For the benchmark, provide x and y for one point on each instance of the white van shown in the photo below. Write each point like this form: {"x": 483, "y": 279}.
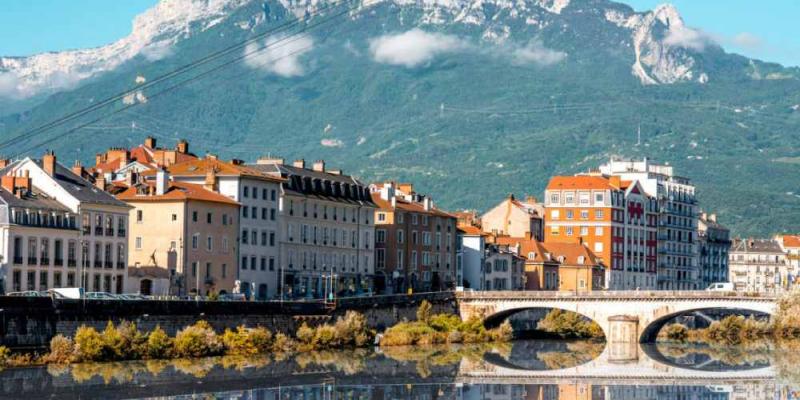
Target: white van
{"x": 67, "y": 293}
{"x": 721, "y": 287}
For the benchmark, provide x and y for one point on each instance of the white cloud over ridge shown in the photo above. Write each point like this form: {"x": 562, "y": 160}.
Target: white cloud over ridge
{"x": 281, "y": 56}
{"x": 414, "y": 47}
{"x": 536, "y": 53}
{"x": 747, "y": 40}
{"x": 694, "y": 39}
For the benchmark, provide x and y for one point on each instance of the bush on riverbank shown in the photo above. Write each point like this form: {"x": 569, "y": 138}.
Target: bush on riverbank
{"x": 676, "y": 332}
{"x": 348, "y": 331}
{"x": 569, "y": 325}
{"x": 431, "y": 329}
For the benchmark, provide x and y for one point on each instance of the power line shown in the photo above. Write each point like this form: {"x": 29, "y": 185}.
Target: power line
{"x": 187, "y": 67}
{"x": 286, "y": 40}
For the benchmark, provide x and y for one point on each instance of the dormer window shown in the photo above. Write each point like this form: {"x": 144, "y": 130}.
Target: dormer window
{"x": 581, "y": 259}
{"x": 531, "y": 255}
{"x": 561, "y": 259}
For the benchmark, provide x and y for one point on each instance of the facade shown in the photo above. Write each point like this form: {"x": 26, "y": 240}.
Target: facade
{"x": 415, "y": 242}
{"x": 100, "y": 249}
{"x": 259, "y": 194}
{"x": 472, "y": 246}
{"x": 759, "y": 266}
{"x": 326, "y": 232}
{"x": 791, "y": 247}
{"x": 714, "y": 242}
{"x": 39, "y": 237}
{"x": 515, "y": 218}
{"x": 185, "y": 229}
{"x": 503, "y": 269}
{"x": 678, "y": 264}
{"x": 540, "y": 270}
{"x": 615, "y": 219}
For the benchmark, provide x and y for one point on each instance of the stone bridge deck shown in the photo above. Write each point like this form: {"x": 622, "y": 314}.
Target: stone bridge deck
{"x": 624, "y": 316}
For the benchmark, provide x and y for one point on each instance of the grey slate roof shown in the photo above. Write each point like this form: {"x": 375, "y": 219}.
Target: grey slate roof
{"x": 80, "y": 188}
{"x": 321, "y": 185}
{"x": 756, "y": 246}
{"x": 34, "y": 200}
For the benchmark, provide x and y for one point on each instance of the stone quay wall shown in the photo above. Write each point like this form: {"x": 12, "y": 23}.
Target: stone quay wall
{"x": 30, "y": 322}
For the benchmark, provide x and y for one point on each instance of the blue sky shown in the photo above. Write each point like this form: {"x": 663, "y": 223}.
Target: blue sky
{"x": 749, "y": 27}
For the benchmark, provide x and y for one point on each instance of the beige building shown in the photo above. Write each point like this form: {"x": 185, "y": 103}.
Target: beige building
{"x": 515, "y": 218}
{"x": 186, "y": 229}
{"x": 759, "y": 265}
{"x": 503, "y": 269}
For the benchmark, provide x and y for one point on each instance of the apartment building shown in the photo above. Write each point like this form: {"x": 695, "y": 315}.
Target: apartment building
{"x": 470, "y": 255}
{"x": 39, "y": 237}
{"x": 259, "y": 195}
{"x": 185, "y": 229}
{"x": 100, "y": 250}
{"x": 791, "y": 247}
{"x": 678, "y": 264}
{"x": 503, "y": 269}
{"x": 515, "y": 218}
{"x": 759, "y": 265}
{"x": 415, "y": 242}
{"x": 327, "y": 229}
{"x": 540, "y": 270}
{"x": 714, "y": 242}
{"x": 615, "y": 219}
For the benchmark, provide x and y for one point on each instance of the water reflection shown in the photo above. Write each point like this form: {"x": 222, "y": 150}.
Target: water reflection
{"x": 522, "y": 370}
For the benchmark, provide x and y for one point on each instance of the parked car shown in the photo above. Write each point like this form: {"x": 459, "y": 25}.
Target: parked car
{"x": 101, "y": 296}
{"x": 66, "y": 293}
{"x": 132, "y": 296}
{"x": 720, "y": 287}
{"x": 232, "y": 297}
{"x": 27, "y": 293}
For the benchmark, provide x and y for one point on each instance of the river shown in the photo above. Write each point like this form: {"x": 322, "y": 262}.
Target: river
{"x": 534, "y": 370}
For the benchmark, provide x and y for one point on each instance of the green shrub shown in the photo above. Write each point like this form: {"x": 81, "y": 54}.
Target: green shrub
{"x": 424, "y": 311}
{"x": 352, "y": 330}
{"x": 569, "y": 325}
{"x": 198, "y": 340}
{"x": 133, "y": 340}
{"x": 89, "y": 344}
{"x": 5, "y": 353}
{"x": 282, "y": 343}
{"x": 245, "y": 341}
{"x": 676, "y": 332}
{"x": 305, "y": 334}
{"x": 62, "y": 350}
{"x": 159, "y": 344}
{"x": 324, "y": 337}
{"x": 445, "y": 322}
{"x": 406, "y": 333}
{"x": 502, "y": 333}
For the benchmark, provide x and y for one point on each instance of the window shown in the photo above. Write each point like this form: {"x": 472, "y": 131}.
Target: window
{"x": 224, "y": 219}
{"x": 263, "y": 194}
{"x": 272, "y": 214}
{"x": 139, "y": 216}
{"x": 414, "y": 219}
{"x": 224, "y": 270}
{"x": 195, "y": 239}
{"x": 263, "y": 263}
{"x": 599, "y": 198}
{"x": 245, "y": 212}
{"x": 554, "y": 214}
{"x": 194, "y": 216}
{"x": 209, "y": 243}
{"x": 174, "y": 217}
{"x": 584, "y": 214}
{"x": 273, "y": 195}
{"x": 381, "y": 217}
{"x": 584, "y": 230}
{"x": 272, "y": 263}
{"x": 254, "y": 212}
{"x": 264, "y": 213}
{"x": 583, "y": 198}
{"x": 598, "y": 247}
{"x": 208, "y": 218}
{"x": 138, "y": 244}
{"x": 569, "y": 214}
{"x": 569, "y": 198}
{"x": 380, "y": 236}
{"x": 400, "y": 236}
{"x": 554, "y": 230}
{"x": 598, "y": 214}
{"x": 425, "y": 220}
{"x": 598, "y": 231}
{"x": 244, "y": 262}
{"x": 245, "y": 236}
{"x": 568, "y": 231}
{"x": 554, "y": 198}
{"x": 264, "y": 238}
{"x": 194, "y": 268}
{"x": 246, "y": 192}
{"x": 208, "y": 269}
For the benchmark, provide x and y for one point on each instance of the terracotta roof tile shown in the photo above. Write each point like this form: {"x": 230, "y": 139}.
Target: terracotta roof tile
{"x": 177, "y": 191}
{"x": 579, "y": 182}
{"x": 791, "y": 240}
{"x": 408, "y": 206}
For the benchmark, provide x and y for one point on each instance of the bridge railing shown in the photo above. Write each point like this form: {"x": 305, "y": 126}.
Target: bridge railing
{"x": 614, "y": 294}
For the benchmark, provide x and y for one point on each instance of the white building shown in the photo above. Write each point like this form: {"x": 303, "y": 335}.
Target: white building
{"x": 327, "y": 230}
{"x": 678, "y": 266}
{"x": 259, "y": 196}
{"x": 94, "y": 257}
{"x": 472, "y": 256}
{"x": 759, "y": 265}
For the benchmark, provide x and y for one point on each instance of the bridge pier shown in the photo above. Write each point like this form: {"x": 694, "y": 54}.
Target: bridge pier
{"x": 622, "y": 338}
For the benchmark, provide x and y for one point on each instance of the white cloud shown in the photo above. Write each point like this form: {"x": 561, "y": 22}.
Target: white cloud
{"x": 747, "y": 40}
{"x": 157, "y": 50}
{"x": 681, "y": 36}
{"x": 9, "y": 85}
{"x": 414, "y": 47}
{"x": 536, "y": 53}
{"x": 281, "y": 56}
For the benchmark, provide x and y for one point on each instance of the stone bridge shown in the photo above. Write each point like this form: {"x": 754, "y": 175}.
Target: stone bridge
{"x": 624, "y": 316}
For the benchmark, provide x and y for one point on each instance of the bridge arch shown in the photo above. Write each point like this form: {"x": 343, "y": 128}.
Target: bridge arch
{"x": 494, "y": 320}
{"x": 649, "y": 332}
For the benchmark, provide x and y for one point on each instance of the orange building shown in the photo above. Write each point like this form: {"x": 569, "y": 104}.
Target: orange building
{"x": 615, "y": 219}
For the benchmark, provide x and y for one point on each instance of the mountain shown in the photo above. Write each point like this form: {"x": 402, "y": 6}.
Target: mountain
{"x": 468, "y": 99}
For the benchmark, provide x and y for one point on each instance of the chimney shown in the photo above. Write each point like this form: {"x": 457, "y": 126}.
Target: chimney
{"x": 182, "y": 146}
{"x": 267, "y": 160}
{"x": 319, "y": 166}
{"x": 23, "y": 183}
{"x": 427, "y": 203}
{"x": 394, "y": 202}
{"x": 531, "y": 200}
{"x": 299, "y": 163}
{"x": 527, "y": 235}
{"x": 236, "y": 161}
{"x": 8, "y": 182}
{"x": 211, "y": 156}
{"x": 211, "y": 179}
{"x": 130, "y": 178}
{"x": 704, "y": 216}
{"x": 162, "y": 182}
{"x": 4, "y": 162}
{"x": 150, "y": 142}
{"x": 100, "y": 181}
{"x": 49, "y": 163}
{"x": 99, "y": 158}
{"x": 77, "y": 168}
{"x": 335, "y": 171}
{"x": 387, "y": 192}
{"x": 614, "y": 181}
{"x": 712, "y": 218}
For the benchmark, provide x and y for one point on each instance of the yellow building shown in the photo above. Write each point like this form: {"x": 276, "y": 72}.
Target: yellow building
{"x": 187, "y": 229}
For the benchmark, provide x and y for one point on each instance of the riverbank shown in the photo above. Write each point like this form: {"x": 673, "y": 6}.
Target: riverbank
{"x": 125, "y": 341}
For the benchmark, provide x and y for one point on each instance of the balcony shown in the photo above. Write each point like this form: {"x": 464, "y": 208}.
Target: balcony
{"x": 120, "y": 265}
{"x": 72, "y": 263}
{"x": 98, "y": 264}
{"x": 58, "y": 262}
{"x": 17, "y": 260}
{"x": 98, "y": 231}
{"x": 87, "y": 230}
{"x": 32, "y": 261}
{"x": 110, "y": 232}
{"x": 44, "y": 261}
{"x": 109, "y": 264}
{"x": 121, "y": 233}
